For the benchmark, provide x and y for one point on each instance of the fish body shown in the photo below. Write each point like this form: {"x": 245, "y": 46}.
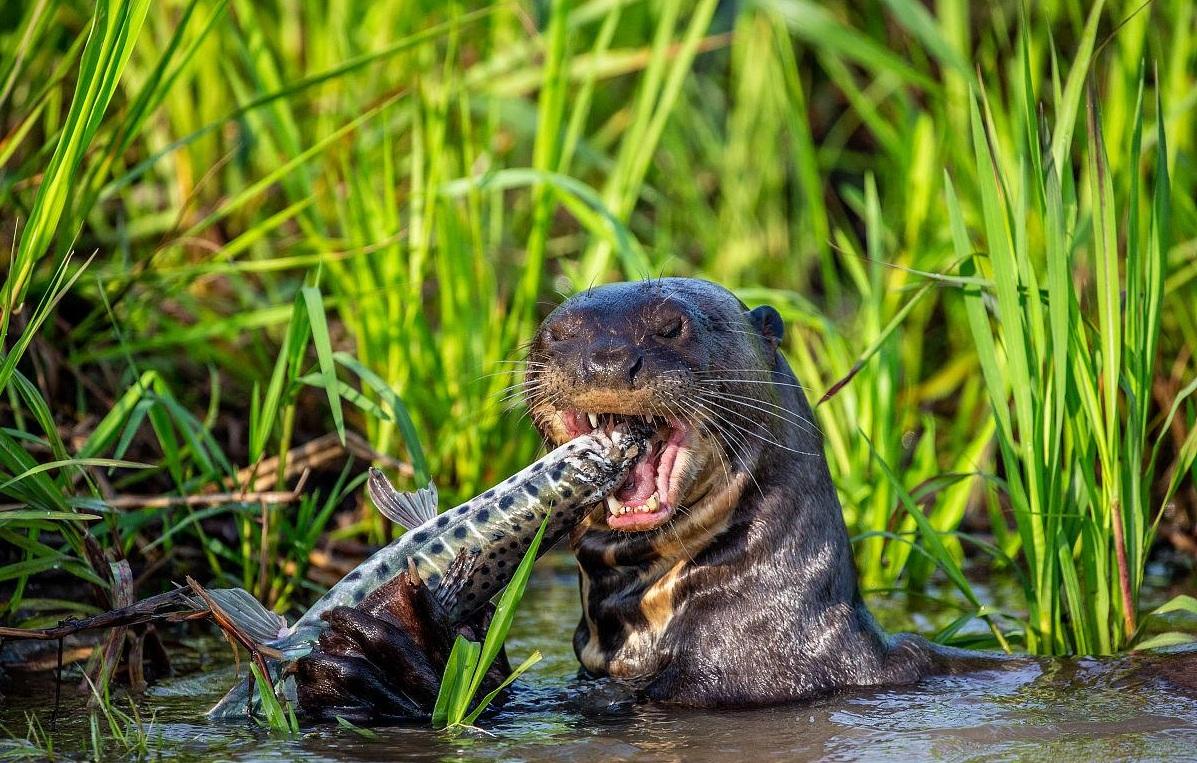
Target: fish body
{"x": 495, "y": 529}
{"x": 464, "y": 555}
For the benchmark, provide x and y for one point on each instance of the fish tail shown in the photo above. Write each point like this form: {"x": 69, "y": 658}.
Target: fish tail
{"x": 269, "y": 631}
{"x": 248, "y": 614}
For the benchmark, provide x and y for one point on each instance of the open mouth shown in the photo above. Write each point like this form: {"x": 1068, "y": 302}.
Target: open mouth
{"x": 648, "y": 497}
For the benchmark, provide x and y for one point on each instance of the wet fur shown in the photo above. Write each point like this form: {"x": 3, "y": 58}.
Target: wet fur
{"x": 749, "y": 596}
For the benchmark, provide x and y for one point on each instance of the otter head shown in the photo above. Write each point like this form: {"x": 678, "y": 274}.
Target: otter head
{"x": 683, "y": 357}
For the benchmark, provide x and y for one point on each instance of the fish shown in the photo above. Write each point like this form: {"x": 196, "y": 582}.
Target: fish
{"x": 464, "y": 555}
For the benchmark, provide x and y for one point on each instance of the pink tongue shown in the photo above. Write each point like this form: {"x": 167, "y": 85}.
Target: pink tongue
{"x": 640, "y": 484}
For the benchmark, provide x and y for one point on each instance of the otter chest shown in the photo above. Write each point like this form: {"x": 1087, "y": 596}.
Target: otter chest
{"x": 625, "y": 618}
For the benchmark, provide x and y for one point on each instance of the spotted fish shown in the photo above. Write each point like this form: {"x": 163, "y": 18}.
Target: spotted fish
{"x": 464, "y": 555}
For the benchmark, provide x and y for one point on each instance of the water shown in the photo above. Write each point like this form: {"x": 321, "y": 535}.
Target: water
{"x": 1129, "y": 708}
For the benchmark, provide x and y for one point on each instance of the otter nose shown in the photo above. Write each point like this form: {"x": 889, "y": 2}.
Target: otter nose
{"x": 613, "y": 362}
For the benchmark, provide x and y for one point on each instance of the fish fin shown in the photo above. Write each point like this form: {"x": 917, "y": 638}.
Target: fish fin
{"x": 248, "y": 614}
{"x": 406, "y": 509}
{"x": 454, "y": 580}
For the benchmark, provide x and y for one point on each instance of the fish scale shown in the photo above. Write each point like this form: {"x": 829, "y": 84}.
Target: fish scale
{"x": 493, "y": 531}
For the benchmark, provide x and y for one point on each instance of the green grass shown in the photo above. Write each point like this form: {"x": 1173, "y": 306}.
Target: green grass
{"x": 234, "y": 227}
{"x": 1078, "y": 460}
{"x": 276, "y": 714}
{"x": 457, "y": 702}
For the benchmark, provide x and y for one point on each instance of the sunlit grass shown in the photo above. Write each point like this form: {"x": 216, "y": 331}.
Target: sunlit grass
{"x": 350, "y": 217}
{"x": 457, "y": 702}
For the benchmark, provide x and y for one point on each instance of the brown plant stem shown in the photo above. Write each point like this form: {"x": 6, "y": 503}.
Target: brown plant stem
{"x": 1128, "y": 609}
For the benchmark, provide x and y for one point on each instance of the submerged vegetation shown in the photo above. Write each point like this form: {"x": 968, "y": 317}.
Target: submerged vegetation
{"x": 237, "y": 227}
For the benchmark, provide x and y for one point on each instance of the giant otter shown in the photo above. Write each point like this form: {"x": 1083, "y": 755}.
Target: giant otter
{"x": 719, "y": 574}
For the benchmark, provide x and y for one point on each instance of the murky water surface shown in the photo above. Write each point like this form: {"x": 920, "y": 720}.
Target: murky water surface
{"x": 1131, "y": 708}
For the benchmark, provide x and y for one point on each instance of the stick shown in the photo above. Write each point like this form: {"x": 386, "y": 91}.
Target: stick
{"x": 181, "y": 605}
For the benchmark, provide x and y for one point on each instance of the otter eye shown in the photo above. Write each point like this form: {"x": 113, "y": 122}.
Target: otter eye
{"x": 671, "y": 330}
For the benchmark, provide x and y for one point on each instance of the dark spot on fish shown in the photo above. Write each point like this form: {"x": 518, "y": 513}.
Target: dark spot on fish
{"x": 471, "y": 596}
{"x": 459, "y": 532}
{"x": 505, "y": 502}
{"x": 358, "y": 596}
{"x": 355, "y": 575}
{"x": 437, "y": 547}
{"x": 433, "y": 580}
{"x": 384, "y": 569}
{"x": 566, "y": 492}
{"x": 483, "y": 516}
{"x": 558, "y": 471}
{"x": 537, "y": 466}
{"x": 492, "y": 555}
{"x": 420, "y": 537}
{"x": 489, "y": 494}
{"x": 527, "y": 540}
{"x": 531, "y": 489}
{"x": 484, "y": 570}
{"x": 442, "y": 520}
{"x": 502, "y": 563}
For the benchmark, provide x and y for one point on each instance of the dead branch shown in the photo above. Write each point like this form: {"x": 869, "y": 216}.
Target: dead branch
{"x": 172, "y": 606}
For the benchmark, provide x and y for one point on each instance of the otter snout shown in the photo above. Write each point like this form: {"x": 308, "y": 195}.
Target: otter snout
{"x": 595, "y": 354}
{"x": 611, "y": 362}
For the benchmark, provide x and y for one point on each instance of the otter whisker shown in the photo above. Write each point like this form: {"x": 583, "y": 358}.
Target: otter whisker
{"x": 510, "y": 398}
{"x": 656, "y": 408}
{"x": 713, "y": 371}
{"x": 725, "y": 329}
{"x": 790, "y": 417}
{"x": 514, "y": 390}
{"x": 493, "y": 374}
{"x": 679, "y": 410}
{"x": 767, "y": 440}
{"x": 709, "y": 424}
{"x": 535, "y": 410}
{"x": 752, "y": 381}
{"x": 702, "y": 426}
{"x": 714, "y": 401}
{"x": 795, "y": 414}
{"x": 523, "y": 381}
{"x": 515, "y": 397}
{"x": 731, "y": 442}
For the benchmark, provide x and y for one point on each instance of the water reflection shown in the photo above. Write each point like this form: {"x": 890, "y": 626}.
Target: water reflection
{"x": 1127, "y": 708}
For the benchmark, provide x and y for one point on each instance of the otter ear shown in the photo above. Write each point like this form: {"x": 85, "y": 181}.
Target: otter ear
{"x": 768, "y": 322}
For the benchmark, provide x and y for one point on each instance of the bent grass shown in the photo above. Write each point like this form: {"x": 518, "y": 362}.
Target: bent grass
{"x": 469, "y": 661}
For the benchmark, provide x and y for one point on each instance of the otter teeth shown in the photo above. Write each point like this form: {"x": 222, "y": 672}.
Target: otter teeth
{"x": 594, "y": 422}
{"x": 650, "y": 506}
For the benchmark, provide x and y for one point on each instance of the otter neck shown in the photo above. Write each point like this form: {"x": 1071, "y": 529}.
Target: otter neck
{"x": 786, "y": 517}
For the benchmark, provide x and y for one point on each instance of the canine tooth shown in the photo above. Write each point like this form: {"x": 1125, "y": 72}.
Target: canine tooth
{"x": 593, "y": 420}
{"x": 653, "y": 503}
{"x": 613, "y": 504}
